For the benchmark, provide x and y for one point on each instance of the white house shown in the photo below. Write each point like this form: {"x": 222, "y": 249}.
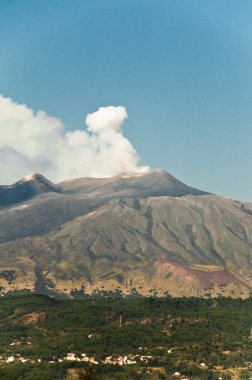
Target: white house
{"x": 10, "y": 359}
{"x": 71, "y": 356}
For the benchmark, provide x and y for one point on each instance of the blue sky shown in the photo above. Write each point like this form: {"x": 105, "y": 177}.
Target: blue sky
{"x": 182, "y": 69}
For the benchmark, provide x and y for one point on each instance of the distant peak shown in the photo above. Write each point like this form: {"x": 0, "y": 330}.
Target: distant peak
{"x": 30, "y": 177}
{"x": 34, "y": 177}
{"x": 38, "y": 181}
{"x": 26, "y": 188}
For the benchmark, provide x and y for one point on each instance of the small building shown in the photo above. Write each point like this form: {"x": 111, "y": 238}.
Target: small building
{"x": 10, "y": 359}
{"x": 71, "y": 356}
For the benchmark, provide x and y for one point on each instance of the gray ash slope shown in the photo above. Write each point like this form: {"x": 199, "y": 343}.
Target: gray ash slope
{"x": 141, "y": 231}
{"x": 156, "y": 183}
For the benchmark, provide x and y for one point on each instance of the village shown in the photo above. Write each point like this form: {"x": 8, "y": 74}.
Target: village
{"x": 120, "y": 360}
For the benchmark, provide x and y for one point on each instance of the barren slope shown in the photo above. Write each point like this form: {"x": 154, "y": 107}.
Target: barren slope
{"x": 103, "y": 234}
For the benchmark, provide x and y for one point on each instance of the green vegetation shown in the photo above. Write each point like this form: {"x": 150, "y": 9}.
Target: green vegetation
{"x": 177, "y": 334}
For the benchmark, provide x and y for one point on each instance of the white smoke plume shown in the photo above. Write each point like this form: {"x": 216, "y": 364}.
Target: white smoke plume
{"x": 35, "y": 142}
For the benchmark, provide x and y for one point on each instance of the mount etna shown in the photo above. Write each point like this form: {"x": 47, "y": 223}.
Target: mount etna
{"x": 145, "y": 233}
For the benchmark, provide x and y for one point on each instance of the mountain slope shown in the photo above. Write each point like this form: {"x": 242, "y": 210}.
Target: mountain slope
{"x": 103, "y": 234}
